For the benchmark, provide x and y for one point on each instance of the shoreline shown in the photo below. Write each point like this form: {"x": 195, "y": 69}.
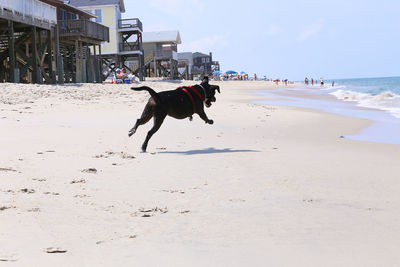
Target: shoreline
{"x": 382, "y": 123}
{"x": 261, "y": 181}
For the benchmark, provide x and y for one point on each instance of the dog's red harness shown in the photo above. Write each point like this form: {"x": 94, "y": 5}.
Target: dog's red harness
{"x": 190, "y": 95}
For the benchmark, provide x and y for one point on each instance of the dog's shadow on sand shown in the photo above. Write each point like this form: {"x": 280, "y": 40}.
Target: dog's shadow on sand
{"x": 210, "y": 150}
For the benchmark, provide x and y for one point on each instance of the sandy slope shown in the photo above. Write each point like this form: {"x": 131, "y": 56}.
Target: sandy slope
{"x": 263, "y": 186}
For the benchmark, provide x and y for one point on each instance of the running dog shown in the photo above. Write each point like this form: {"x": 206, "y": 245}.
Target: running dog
{"x": 180, "y": 103}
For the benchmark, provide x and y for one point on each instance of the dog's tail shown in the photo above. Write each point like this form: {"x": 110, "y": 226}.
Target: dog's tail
{"x": 153, "y": 93}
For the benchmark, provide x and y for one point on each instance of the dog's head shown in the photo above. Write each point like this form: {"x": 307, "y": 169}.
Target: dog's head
{"x": 210, "y": 91}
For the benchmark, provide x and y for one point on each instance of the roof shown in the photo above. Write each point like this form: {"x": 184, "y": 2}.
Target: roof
{"x": 162, "y": 36}
{"x": 84, "y": 3}
{"x": 198, "y": 54}
{"x": 65, "y": 5}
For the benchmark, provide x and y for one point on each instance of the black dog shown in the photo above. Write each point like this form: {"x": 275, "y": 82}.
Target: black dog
{"x": 180, "y": 103}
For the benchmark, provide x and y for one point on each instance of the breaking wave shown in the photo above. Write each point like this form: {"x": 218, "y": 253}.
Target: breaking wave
{"x": 387, "y": 100}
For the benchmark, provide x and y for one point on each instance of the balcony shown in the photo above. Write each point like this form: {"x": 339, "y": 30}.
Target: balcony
{"x": 32, "y": 12}
{"x": 83, "y": 28}
{"x": 130, "y": 48}
{"x": 130, "y": 25}
{"x": 166, "y": 54}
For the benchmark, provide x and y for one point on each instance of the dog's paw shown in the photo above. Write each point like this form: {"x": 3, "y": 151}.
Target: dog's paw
{"x": 131, "y": 132}
{"x": 210, "y": 122}
{"x": 144, "y": 148}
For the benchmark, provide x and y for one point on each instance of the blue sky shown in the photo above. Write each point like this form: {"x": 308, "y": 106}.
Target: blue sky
{"x": 285, "y": 38}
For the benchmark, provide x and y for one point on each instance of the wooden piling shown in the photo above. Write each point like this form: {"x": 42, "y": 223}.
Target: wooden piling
{"x": 11, "y": 50}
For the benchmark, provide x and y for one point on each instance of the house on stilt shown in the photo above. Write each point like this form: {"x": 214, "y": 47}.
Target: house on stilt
{"x": 27, "y": 34}
{"x": 79, "y": 44}
{"x": 161, "y": 53}
{"x": 48, "y": 41}
{"x": 125, "y": 49}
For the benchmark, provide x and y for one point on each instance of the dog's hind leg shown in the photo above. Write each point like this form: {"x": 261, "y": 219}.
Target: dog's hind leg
{"x": 158, "y": 120}
{"x": 146, "y": 116}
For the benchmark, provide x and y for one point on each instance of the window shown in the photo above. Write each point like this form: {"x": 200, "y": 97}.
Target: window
{"x": 63, "y": 14}
{"x": 208, "y": 60}
{"x": 203, "y": 60}
{"x": 99, "y": 14}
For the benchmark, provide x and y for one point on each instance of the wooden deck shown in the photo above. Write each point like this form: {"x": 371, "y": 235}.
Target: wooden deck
{"x": 84, "y": 29}
{"x": 130, "y": 25}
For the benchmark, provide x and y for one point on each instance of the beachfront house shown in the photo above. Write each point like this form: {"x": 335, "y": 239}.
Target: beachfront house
{"x": 26, "y": 41}
{"x": 48, "y": 41}
{"x": 125, "y": 44}
{"x": 185, "y": 65}
{"x": 161, "y": 53}
{"x": 78, "y": 43}
{"x": 203, "y": 64}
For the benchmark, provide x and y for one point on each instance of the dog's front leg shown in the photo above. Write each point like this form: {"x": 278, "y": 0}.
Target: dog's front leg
{"x": 204, "y": 117}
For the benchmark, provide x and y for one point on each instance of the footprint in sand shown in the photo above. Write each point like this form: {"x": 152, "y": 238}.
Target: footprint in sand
{"x": 55, "y": 250}
{"x": 150, "y": 212}
{"x": 184, "y": 211}
{"x": 90, "y": 170}
{"x": 78, "y": 181}
{"x": 33, "y": 210}
{"x": 173, "y": 191}
{"x": 3, "y": 208}
{"x": 39, "y": 179}
{"x": 112, "y": 239}
{"x": 109, "y": 154}
{"x": 8, "y": 258}
{"x": 7, "y": 170}
{"x": 51, "y": 193}
{"x": 27, "y": 191}
{"x": 81, "y": 196}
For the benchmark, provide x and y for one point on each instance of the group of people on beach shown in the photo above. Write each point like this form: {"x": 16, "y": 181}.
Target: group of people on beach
{"x": 123, "y": 76}
{"x": 321, "y": 80}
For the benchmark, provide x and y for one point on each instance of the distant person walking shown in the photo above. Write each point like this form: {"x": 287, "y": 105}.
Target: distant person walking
{"x": 306, "y": 81}
{"x": 333, "y": 83}
{"x": 312, "y": 81}
{"x": 322, "y": 81}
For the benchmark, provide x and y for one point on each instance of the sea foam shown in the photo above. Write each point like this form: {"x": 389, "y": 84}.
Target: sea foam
{"x": 387, "y": 101}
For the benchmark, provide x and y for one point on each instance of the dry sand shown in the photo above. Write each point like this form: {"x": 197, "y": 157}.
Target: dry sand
{"x": 263, "y": 186}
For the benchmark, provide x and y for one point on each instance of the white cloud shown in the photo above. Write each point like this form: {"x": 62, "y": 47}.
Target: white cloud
{"x": 310, "y": 31}
{"x": 206, "y": 44}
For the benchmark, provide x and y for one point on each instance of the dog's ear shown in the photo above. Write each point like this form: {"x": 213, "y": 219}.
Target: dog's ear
{"x": 205, "y": 79}
{"x": 215, "y": 87}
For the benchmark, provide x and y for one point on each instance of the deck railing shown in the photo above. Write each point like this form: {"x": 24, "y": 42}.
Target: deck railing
{"x": 32, "y": 9}
{"x": 84, "y": 28}
{"x": 128, "y": 47}
{"x": 166, "y": 54}
{"x": 130, "y": 23}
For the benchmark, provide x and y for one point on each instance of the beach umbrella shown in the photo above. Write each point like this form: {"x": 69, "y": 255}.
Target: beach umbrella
{"x": 230, "y": 72}
{"x": 217, "y": 72}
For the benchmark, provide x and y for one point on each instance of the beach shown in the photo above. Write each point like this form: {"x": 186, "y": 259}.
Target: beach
{"x": 265, "y": 185}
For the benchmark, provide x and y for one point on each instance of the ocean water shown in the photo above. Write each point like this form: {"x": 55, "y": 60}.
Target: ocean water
{"x": 375, "y": 99}
{"x": 376, "y": 93}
